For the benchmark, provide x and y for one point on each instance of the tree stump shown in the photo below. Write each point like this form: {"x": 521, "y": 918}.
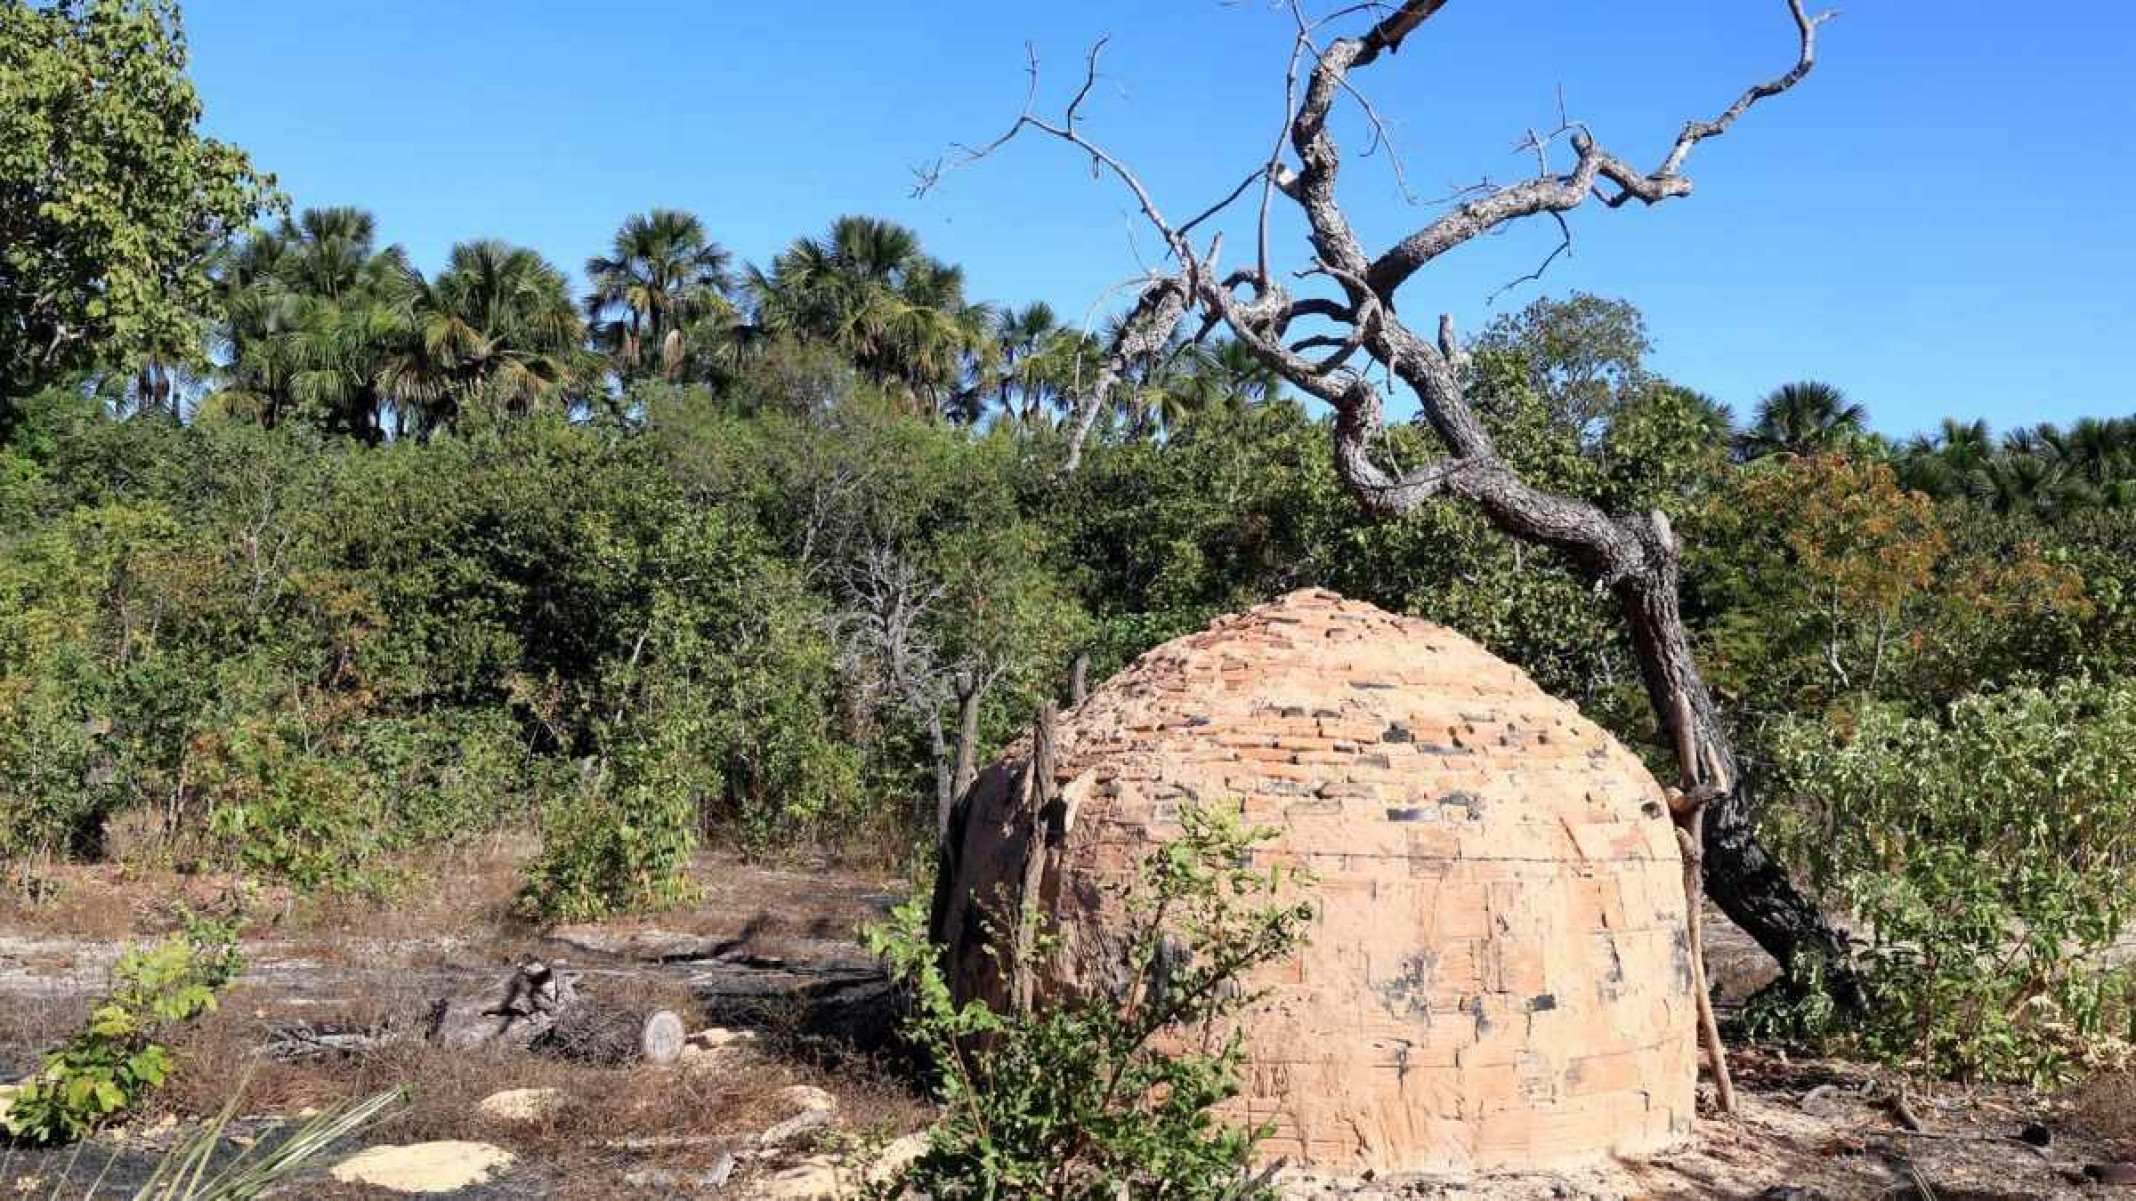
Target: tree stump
{"x": 518, "y": 1012}
{"x": 591, "y": 1033}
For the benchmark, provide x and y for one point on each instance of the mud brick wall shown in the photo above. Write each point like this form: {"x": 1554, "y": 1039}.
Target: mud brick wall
{"x": 1498, "y": 974}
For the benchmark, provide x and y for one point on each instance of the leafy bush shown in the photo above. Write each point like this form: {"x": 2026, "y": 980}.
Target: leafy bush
{"x": 116, "y": 1059}
{"x": 1106, "y": 1096}
{"x": 1988, "y": 859}
{"x": 618, "y": 843}
{"x": 276, "y": 807}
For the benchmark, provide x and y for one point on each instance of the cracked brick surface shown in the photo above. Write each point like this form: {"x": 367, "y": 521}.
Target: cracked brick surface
{"x": 1497, "y": 975}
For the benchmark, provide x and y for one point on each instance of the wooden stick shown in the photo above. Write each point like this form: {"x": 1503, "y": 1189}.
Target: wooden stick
{"x": 1690, "y": 819}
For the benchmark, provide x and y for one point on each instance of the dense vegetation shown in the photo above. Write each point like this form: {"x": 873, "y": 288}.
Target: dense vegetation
{"x": 308, "y": 557}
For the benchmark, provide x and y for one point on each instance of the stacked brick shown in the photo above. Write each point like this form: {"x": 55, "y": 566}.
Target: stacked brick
{"x": 1498, "y": 974}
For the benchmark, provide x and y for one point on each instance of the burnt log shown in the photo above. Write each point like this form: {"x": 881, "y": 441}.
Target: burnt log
{"x": 517, "y": 1012}
{"x": 610, "y": 1037}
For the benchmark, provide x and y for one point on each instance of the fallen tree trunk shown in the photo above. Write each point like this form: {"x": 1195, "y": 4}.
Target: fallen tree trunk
{"x": 516, "y": 1012}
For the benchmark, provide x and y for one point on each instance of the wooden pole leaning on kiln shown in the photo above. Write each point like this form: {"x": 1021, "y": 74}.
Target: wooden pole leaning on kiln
{"x": 1687, "y": 810}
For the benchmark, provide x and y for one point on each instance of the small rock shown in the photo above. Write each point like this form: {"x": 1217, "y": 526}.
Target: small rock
{"x": 2038, "y": 1134}
{"x": 895, "y": 1157}
{"x": 440, "y": 1167}
{"x": 668, "y": 1180}
{"x": 812, "y": 1109}
{"x": 713, "y": 1038}
{"x": 520, "y": 1104}
{"x": 1820, "y": 1102}
{"x": 715, "y": 1048}
{"x": 699, "y": 1059}
{"x": 795, "y": 1126}
{"x": 813, "y": 1179}
{"x": 806, "y": 1097}
{"x": 664, "y": 1142}
{"x": 1791, "y": 1192}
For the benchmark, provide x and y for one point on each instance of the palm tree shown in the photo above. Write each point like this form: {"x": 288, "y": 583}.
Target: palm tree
{"x": 2094, "y": 450}
{"x": 662, "y": 275}
{"x": 497, "y": 329}
{"x": 311, "y": 308}
{"x": 2020, "y": 483}
{"x": 1059, "y": 367}
{"x": 1947, "y": 463}
{"x": 867, "y": 289}
{"x": 1241, "y": 372}
{"x": 1019, "y": 336}
{"x": 329, "y": 251}
{"x": 1168, "y": 388}
{"x": 1803, "y": 418}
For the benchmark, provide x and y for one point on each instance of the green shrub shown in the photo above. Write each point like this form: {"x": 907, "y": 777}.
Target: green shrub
{"x": 619, "y": 843}
{"x": 283, "y": 800}
{"x": 116, "y": 1059}
{"x": 1988, "y": 861}
{"x": 1109, "y": 1096}
{"x": 446, "y": 775}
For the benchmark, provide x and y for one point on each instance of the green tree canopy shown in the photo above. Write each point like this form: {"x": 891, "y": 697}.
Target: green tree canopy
{"x": 111, "y": 202}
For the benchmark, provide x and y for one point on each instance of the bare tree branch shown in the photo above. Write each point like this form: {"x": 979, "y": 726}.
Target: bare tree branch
{"x": 1560, "y": 193}
{"x": 1146, "y": 329}
{"x": 1806, "y": 57}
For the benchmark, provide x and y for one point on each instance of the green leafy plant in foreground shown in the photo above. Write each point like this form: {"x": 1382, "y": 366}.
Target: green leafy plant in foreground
{"x": 1108, "y": 1095}
{"x": 117, "y": 1059}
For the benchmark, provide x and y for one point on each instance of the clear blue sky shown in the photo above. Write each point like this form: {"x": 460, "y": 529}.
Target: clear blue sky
{"x": 1942, "y": 219}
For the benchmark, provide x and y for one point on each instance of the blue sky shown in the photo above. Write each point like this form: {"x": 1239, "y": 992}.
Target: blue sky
{"x": 1942, "y": 219}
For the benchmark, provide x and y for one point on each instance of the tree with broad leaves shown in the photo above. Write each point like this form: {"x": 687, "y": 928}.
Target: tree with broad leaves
{"x": 1337, "y": 342}
{"x": 111, "y": 202}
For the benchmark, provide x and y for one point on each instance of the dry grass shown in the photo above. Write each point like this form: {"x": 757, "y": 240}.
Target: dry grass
{"x": 801, "y": 899}
{"x": 454, "y": 890}
{"x": 610, "y": 1120}
{"x": 369, "y": 962}
{"x": 2105, "y": 1105}
{"x": 463, "y": 893}
{"x": 31, "y": 1024}
{"x": 108, "y": 901}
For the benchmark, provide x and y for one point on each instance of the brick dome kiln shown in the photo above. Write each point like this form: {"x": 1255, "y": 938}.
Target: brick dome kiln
{"x": 1498, "y": 975}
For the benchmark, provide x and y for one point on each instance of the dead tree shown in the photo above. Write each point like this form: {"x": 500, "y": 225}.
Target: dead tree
{"x": 1332, "y": 344}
